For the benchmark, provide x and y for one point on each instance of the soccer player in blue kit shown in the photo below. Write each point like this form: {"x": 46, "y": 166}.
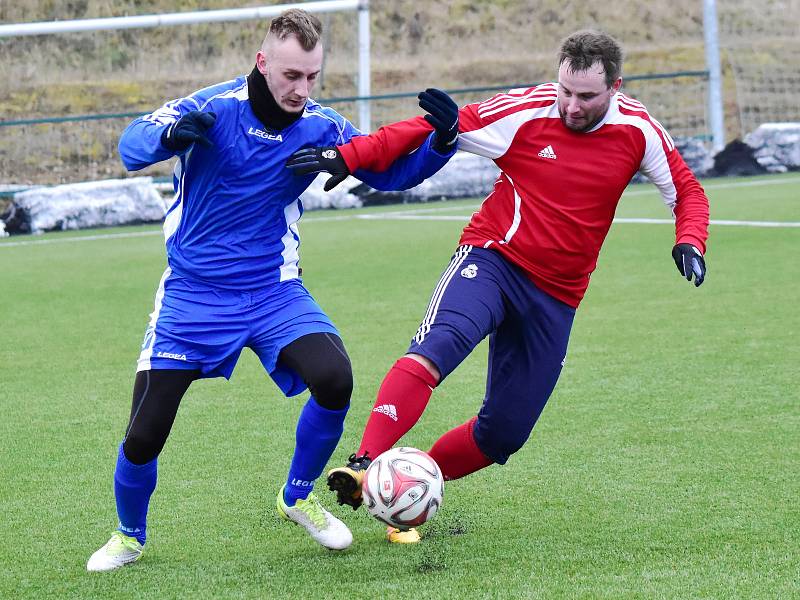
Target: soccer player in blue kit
{"x": 233, "y": 279}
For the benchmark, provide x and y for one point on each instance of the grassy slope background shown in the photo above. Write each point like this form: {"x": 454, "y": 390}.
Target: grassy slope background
{"x": 413, "y": 45}
{"x": 446, "y": 43}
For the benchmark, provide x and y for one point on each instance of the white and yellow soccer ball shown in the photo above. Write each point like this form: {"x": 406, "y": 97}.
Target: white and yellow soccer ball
{"x": 403, "y": 487}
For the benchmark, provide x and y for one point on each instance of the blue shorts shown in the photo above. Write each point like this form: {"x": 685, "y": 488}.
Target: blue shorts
{"x": 196, "y": 326}
{"x": 479, "y": 294}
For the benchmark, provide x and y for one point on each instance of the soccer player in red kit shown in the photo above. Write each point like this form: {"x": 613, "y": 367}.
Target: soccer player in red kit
{"x": 566, "y": 152}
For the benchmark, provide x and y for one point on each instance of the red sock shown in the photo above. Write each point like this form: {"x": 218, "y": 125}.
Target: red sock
{"x": 457, "y": 454}
{"x": 403, "y": 396}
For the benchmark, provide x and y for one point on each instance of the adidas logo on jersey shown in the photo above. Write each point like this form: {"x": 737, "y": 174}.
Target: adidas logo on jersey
{"x": 548, "y": 153}
{"x": 387, "y": 409}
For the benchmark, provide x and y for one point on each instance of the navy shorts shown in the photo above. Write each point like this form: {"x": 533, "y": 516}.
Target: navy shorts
{"x": 479, "y": 294}
{"x": 196, "y": 326}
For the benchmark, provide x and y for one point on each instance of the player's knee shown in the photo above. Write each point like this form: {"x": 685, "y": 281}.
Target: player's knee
{"x": 141, "y": 447}
{"x": 427, "y": 363}
{"x": 500, "y": 438}
{"x": 332, "y": 385}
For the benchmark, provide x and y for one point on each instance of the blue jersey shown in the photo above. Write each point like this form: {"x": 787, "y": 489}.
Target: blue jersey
{"x": 233, "y": 221}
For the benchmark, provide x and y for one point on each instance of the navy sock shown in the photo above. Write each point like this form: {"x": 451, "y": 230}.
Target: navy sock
{"x": 133, "y": 486}
{"x": 318, "y": 432}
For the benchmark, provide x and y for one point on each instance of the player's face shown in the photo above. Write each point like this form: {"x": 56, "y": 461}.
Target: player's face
{"x": 583, "y": 96}
{"x": 290, "y": 71}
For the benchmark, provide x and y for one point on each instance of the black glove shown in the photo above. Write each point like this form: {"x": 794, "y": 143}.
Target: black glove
{"x": 320, "y": 160}
{"x": 443, "y": 115}
{"x": 689, "y": 260}
{"x": 187, "y": 130}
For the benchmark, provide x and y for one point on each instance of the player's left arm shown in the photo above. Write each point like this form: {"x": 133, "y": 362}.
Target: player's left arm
{"x": 684, "y": 195}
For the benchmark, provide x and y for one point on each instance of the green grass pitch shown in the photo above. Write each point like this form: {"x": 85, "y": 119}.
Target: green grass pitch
{"x": 665, "y": 465}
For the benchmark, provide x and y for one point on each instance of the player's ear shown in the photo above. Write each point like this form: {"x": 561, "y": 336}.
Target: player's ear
{"x": 261, "y": 62}
{"x": 616, "y": 85}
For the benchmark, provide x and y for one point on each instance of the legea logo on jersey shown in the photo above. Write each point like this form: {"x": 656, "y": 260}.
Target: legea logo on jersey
{"x": 275, "y": 137}
{"x": 470, "y": 271}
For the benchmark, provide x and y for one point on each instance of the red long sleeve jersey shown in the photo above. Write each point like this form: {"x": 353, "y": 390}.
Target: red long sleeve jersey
{"x": 554, "y": 200}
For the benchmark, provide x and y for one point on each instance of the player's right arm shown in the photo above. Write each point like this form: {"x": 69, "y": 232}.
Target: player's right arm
{"x": 162, "y": 134}
{"x": 485, "y": 129}
{"x": 427, "y": 153}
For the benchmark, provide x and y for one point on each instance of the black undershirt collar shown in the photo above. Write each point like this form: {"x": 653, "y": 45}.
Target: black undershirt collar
{"x": 271, "y": 115}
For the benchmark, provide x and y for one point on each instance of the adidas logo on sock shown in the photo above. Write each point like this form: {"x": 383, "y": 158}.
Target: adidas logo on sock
{"x": 547, "y": 153}
{"x": 387, "y": 409}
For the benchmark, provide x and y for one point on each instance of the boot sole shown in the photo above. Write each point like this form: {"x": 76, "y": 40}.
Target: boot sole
{"x": 346, "y": 489}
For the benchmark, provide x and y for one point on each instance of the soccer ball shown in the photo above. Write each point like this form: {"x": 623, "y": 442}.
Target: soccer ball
{"x": 403, "y": 487}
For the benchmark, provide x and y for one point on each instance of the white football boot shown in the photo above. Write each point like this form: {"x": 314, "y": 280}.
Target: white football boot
{"x": 118, "y": 551}
{"x": 321, "y": 525}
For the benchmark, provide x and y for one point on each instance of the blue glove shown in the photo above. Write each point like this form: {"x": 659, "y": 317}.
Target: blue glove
{"x": 689, "y": 261}
{"x": 327, "y": 159}
{"x": 187, "y": 130}
{"x": 443, "y": 115}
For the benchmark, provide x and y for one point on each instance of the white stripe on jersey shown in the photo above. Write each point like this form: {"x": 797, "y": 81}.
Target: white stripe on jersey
{"x": 664, "y": 132}
{"x": 493, "y": 140}
{"x": 654, "y": 162}
{"x": 173, "y": 218}
{"x": 519, "y": 92}
{"x": 433, "y": 306}
{"x": 636, "y": 106}
{"x": 631, "y": 101}
{"x": 322, "y": 115}
{"x": 537, "y": 97}
{"x": 169, "y": 113}
{"x": 290, "y": 255}
{"x": 517, "y": 216}
{"x": 499, "y": 109}
{"x": 150, "y": 335}
{"x": 166, "y": 114}
{"x": 548, "y": 90}
{"x": 239, "y": 93}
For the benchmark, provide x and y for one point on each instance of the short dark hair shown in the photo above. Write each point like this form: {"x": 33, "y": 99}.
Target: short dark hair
{"x": 302, "y": 24}
{"x": 586, "y": 47}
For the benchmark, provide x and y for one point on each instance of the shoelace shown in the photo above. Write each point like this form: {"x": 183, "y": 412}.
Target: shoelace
{"x": 313, "y": 509}
{"x": 359, "y": 462}
{"x": 118, "y": 542}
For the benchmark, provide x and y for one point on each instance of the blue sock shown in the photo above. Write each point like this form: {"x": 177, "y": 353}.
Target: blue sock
{"x": 133, "y": 486}
{"x": 318, "y": 432}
